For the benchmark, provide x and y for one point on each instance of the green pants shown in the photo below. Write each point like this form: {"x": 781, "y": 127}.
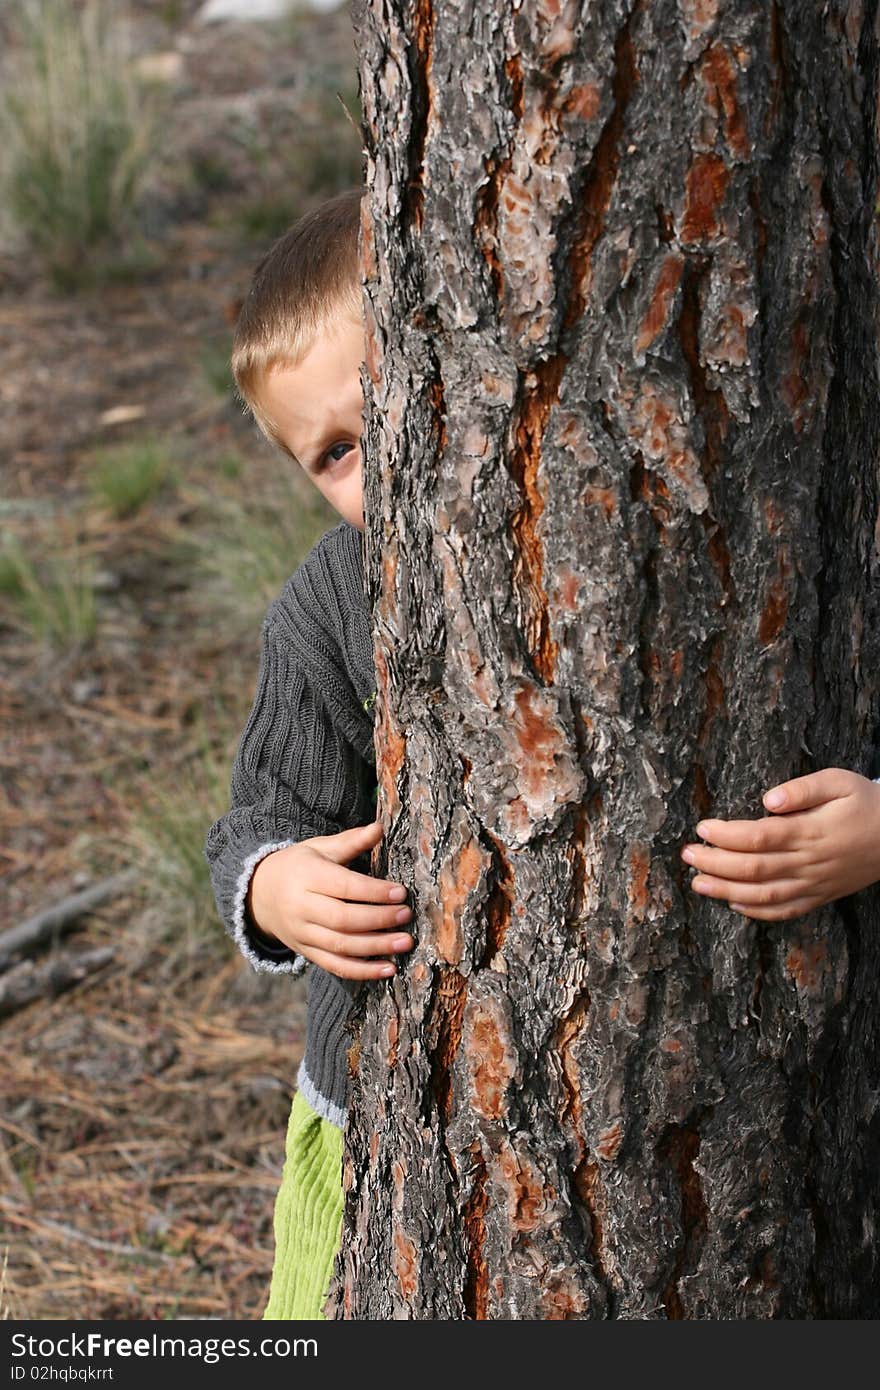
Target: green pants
{"x": 308, "y": 1214}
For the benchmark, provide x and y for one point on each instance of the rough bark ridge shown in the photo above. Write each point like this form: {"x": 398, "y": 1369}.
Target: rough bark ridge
{"x": 621, "y": 287}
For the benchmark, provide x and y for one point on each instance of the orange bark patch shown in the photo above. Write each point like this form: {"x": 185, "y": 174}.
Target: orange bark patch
{"x": 610, "y": 1141}
{"x": 398, "y": 1176}
{"x": 582, "y": 101}
{"x": 604, "y": 497}
{"x": 536, "y": 738}
{"x": 698, "y": 15}
{"x": 731, "y": 341}
{"x": 570, "y": 434}
{"x": 526, "y": 1202}
{"x": 707, "y": 182}
{"x": 541, "y": 396}
{"x": 476, "y": 1291}
{"x": 684, "y": 466}
{"x": 565, "y": 1035}
{"x": 776, "y": 604}
{"x": 589, "y": 1188}
{"x": 807, "y": 965}
{"x": 639, "y": 869}
{"x": 459, "y": 876}
{"x": 773, "y": 517}
{"x": 602, "y": 176}
{"x": 393, "y": 1032}
{"x": 444, "y": 1035}
{"x": 793, "y": 387}
{"x": 560, "y": 30}
{"x": 498, "y": 907}
{"x": 566, "y": 590}
{"x": 517, "y": 820}
{"x": 373, "y": 350}
{"x": 389, "y": 738}
{"x": 562, "y": 1297}
{"x": 661, "y": 300}
{"x": 719, "y": 78}
{"x": 491, "y": 1062}
{"x": 405, "y": 1264}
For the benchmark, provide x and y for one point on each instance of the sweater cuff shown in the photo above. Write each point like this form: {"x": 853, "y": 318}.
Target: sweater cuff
{"x": 280, "y": 960}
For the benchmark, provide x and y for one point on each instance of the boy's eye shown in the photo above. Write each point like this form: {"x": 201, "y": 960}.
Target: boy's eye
{"x": 332, "y": 455}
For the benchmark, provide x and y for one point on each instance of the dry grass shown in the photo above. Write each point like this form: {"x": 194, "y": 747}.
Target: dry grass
{"x": 141, "y": 1137}
{"x": 144, "y": 1112}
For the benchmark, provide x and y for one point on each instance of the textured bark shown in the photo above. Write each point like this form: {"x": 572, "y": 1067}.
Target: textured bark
{"x": 620, "y": 270}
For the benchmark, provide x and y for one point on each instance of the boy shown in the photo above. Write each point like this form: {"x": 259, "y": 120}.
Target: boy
{"x": 304, "y": 774}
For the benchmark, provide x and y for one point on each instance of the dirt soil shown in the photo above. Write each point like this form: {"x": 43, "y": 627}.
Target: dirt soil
{"x": 143, "y": 1112}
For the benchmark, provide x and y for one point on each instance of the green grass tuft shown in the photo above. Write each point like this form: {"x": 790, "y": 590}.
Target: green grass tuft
{"x": 52, "y": 597}
{"x": 242, "y": 552}
{"x": 166, "y": 838}
{"x": 76, "y": 138}
{"x": 126, "y": 476}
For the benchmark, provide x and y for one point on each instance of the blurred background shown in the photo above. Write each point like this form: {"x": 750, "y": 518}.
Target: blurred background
{"x": 150, "y": 151}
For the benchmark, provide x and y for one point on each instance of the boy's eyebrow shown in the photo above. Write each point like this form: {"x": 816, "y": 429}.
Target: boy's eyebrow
{"x": 312, "y": 451}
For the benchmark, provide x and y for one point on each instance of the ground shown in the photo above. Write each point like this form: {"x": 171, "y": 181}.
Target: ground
{"x": 143, "y": 1112}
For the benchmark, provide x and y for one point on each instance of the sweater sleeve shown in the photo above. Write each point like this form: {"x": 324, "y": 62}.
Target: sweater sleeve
{"x": 289, "y": 781}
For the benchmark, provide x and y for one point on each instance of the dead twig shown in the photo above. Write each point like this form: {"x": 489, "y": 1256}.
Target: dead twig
{"x": 52, "y": 921}
{"x": 27, "y": 981}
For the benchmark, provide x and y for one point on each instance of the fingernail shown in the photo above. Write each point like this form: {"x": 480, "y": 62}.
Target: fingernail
{"x": 688, "y": 856}
{"x": 396, "y": 894}
{"x": 387, "y": 970}
{"x": 702, "y": 828}
{"x": 402, "y": 915}
{"x": 774, "y": 799}
{"x": 400, "y": 943}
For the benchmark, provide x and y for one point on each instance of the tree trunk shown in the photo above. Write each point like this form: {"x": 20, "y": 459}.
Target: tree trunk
{"x": 622, "y": 539}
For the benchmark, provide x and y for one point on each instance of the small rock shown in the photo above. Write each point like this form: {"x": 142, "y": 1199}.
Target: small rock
{"x": 160, "y": 67}
{"x": 105, "y": 582}
{"x": 213, "y": 11}
{"x": 121, "y": 414}
{"x": 157, "y": 1224}
{"x": 84, "y": 690}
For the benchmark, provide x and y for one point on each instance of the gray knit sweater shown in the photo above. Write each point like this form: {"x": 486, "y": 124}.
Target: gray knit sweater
{"x": 305, "y": 766}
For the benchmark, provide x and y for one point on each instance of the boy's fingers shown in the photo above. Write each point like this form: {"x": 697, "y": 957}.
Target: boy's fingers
{"x": 810, "y": 790}
{"x": 755, "y": 836}
{"x": 742, "y": 866}
{"x": 347, "y": 844}
{"x": 780, "y": 893}
{"x": 392, "y": 943}
{"x": 333, "y": 880}
{"x": 799, "y": 908}
{"x": 352, "y": 969}
{"x": 326, "y": 910}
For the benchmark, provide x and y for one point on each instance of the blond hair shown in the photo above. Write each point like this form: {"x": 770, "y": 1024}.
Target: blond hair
{"x": 310, "y": 276}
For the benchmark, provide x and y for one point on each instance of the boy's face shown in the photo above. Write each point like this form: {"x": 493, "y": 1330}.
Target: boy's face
{"x": 317, "y": 409}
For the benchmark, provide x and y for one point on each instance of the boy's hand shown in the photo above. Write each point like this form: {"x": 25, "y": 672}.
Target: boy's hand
{"x": 821, "y": 843}
{"x": 307, "y": 899}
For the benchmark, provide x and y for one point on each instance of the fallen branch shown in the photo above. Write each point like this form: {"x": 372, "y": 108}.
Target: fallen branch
{"x": 28, "y": 981}
{"x": 53, "y": 921}
{"x": 70, "y": 1233}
